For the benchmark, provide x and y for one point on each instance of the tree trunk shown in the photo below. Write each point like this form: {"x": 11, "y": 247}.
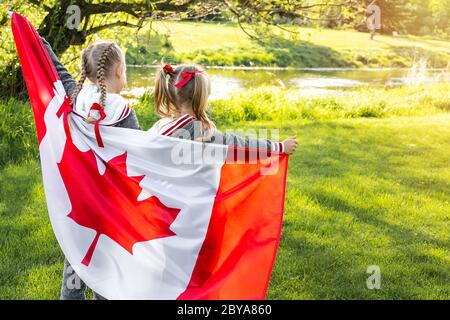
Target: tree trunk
{"x": 54, "y": 29}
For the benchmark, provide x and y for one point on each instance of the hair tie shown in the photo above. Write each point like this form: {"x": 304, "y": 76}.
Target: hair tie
{"x": 168, "y": 68}
{"x": 186, "y": 77}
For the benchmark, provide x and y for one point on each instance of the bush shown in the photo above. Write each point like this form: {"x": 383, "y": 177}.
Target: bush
{"x": 276, "y": 104}
{"x": 150, "y": 50}
{"x": 145, "y": 111}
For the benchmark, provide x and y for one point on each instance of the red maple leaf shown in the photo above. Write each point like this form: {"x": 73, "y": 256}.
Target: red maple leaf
{"x": 108, "y": 203}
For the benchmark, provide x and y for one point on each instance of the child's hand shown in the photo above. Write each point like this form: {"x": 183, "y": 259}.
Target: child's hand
{"x": 91, "y": 120}
{"x": 290, "y": 144}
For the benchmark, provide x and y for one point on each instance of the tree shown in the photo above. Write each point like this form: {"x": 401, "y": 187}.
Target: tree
{"x": 430, "y": 17}
{"x": 94, "y": 17}
{"x": 97, "y": 15}
{"x": 395, "y": 14}
{"x": 249, "y": 13}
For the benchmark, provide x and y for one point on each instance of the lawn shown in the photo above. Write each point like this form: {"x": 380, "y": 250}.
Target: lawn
{"x": 360, "y": 192}
{"x": 188, "y": 35}
{"x": 226, "y": 44}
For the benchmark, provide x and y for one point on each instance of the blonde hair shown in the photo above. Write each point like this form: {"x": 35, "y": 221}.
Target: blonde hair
{"x": 97, "y": 62}
{"x": 195, "y": 92}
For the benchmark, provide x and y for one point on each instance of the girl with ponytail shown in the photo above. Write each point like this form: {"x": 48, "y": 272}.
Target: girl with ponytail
{"x": 181, "y": 100}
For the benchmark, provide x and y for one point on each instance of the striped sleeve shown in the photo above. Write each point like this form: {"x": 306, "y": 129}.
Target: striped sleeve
{"x": 192, "y": 127}
{"x": 245, "y": 142}
{"x": 180, "y": 123}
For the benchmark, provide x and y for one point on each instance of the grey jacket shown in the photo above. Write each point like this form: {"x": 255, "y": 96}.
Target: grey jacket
{"x": 69, "y": 84}
{"x": 192, "y": 131}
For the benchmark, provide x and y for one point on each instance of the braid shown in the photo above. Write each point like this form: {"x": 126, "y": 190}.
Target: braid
{"x": 101, "y": 74}
{"x": 80, "y": 83}
{"x": 84, "y": 74}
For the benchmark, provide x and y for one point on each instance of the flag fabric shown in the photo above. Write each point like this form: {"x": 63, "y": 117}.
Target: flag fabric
{"x": 134, "y": 218}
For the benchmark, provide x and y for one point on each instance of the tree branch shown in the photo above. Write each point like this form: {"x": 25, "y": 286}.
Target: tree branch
{"x": 114, "y": 7}
{"x": 292, "y": 11}
{"x": 111, "y": 25}
{"x": 135, "y": 9}
{"x": 170, "y": 6}
{"x": 39, "y": 4}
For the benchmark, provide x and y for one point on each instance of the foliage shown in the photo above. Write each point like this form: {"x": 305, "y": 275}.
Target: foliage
{"x": 431, "y": 18}
{"x": 145, "y": 111}
{"x": 278, "y": 105}
{"x": 149, "y": 49}
{"x": 417, "y": 17}
{"x": 53, "y": 23}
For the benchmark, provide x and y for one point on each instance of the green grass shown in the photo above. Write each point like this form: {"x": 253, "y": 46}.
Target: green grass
{"x": 226, "y": 44}
{"x": 360, "y": 192}
{"x": 278, "y": 105}
{"x": 17, "y": 132}
{"x": 366, "y": 192}
{"x": 31, "y": 258}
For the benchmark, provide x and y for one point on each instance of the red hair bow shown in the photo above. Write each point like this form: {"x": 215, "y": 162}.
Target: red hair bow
{"x": 169, "y": 69}
{"x": 96, "y": 106}
{"x": 186, "y": 77}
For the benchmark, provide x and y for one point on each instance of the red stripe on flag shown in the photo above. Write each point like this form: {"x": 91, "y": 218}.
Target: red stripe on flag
{"x": 243, "y": 234}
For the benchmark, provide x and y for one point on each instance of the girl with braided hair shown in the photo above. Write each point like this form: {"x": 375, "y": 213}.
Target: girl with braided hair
{"x": 100, "y": 103}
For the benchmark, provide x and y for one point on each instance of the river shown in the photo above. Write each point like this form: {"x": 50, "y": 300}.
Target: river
{"x": 311, "y": 82}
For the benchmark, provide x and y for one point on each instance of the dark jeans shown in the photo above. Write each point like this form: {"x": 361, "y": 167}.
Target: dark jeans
{"x": 73, "y": 288}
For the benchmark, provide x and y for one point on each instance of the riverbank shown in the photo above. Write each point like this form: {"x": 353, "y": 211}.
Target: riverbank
{"x": 278, "y": 105}
{"x": 226, "y": 45}
{"x": 268, "y": 103}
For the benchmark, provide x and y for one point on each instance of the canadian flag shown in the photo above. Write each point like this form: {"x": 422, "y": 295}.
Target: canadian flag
{"x": 135, "y": 222}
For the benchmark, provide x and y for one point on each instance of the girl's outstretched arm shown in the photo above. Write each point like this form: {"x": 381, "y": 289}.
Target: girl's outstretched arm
{"x": 234, "y": 140}
{"x": 192, "y": 131}
{"x": 66, "y": 78}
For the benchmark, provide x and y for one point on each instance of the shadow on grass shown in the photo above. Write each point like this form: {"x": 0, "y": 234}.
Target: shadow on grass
{"x": 338, "y": 271}
{"x": 303, "y": 54}
{"x": 274, "y": 51}
{"x": 359, "y": 151}
{"x": 341, "y": 223}
{"x": 401, "y": 235}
